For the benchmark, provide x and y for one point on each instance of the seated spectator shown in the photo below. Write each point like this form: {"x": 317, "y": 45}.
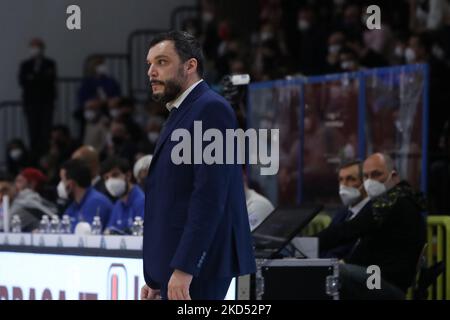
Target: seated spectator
{"x": 391, "y": 235}
{"x": 131, "y": 200}
{"x": 61, "y": 148}
{"x": 258, "y": 206}
{"x": 27, "y": 203}
{"x": 96, "y": 125}
{"x": 355, "y": 200}
{"x": 140, "y": 170}
{"x": 17, "y": 156}
{"x": 126, "y": 109}
{"x": 336, "y": 42}
{"x": 98, "y": 87}
{"x": 121, "y": 143}
{"x": 90, "y": 156}
{"x": 86, "y": 202}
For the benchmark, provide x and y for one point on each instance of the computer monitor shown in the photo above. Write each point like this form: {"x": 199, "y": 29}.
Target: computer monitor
{"x": 280, "y": 227}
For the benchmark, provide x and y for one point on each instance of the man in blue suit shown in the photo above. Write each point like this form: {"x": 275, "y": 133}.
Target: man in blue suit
{"x": 196, "y": 231}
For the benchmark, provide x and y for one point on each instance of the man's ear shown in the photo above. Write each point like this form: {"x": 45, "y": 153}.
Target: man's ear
{"x": 192, "y": 65}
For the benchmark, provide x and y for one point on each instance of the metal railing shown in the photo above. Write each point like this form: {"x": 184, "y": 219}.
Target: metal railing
{"x": 180, "y": 14}
{"x": 13, "y": 125}
{"x": 438, "y": 238}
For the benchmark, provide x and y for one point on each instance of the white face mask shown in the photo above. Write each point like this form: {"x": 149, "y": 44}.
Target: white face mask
{"x": 62, "y": 191}
{"x": 349, "y": 195}
{"x": 374, "y": 188}
{"x": 102, "y": 69}
{"x": 15, "y": 154}
{"x": 410, "y": 55}
{"x": 35, "y": 52}
{"x": 152, "y": 136}
{"x": 116, "y": 187}
{"x": 89, "y": 115}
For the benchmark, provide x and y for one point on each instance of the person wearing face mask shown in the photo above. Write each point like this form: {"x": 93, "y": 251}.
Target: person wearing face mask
{"x": 308, "y": 44}
{"x": 120, "y": 142}
{"x": 85, "y": 201}
{"x": 37, "y": 77}
{"x": 130, "y": 204}
{"x": 96, "y": 127}
{"x": 390, "y": 236}
{"x": 98, "y": 87}
{"x": 355, "y": 200}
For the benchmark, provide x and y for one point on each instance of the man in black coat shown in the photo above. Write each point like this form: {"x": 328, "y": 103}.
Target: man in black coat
{"x": 391, "y": 236}
{"x": 37, "y": 77}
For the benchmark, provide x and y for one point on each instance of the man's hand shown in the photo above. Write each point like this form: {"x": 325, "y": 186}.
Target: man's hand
{"x": 148, "y": 293}
{"x": 178, "y": 288}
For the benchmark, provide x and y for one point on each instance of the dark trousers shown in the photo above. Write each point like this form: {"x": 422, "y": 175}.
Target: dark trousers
{"x": 205, "y": 289}
{"x": 39, "y": 118}
{"x": 353, "y": 280}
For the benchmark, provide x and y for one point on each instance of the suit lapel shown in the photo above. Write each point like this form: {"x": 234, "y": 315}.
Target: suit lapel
{"x": 183, "y": 109}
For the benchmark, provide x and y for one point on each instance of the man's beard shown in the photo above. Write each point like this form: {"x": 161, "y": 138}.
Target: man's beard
{"x": 172, "y": 89}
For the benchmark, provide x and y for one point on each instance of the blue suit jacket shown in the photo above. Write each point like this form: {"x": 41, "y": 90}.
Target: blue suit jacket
{"x": 195, "y": 214}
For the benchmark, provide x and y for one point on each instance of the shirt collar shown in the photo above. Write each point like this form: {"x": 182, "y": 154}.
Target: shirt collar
{"x": 357, "y": 207}
{"x": 178, "y": 101}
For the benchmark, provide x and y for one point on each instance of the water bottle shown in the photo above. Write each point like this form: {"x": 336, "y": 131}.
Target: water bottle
{"x": 54, "y": 225}
{"x": 137, "y": 228}
{"x": 44, "y": 225}
{"x": 96, "y": 225}
{"x": 66, "y": 227}
{"x": 16, "y": 224}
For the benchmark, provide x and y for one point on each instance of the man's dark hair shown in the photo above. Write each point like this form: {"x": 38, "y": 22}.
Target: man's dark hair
{"x": 186, "y": 46}
{"x": 353, "y": 162}
{"x": 78, "y": 171}
{"x": 115, "y": 162}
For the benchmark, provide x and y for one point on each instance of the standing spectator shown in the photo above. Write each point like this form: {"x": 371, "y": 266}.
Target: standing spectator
{"x": 309, "y": 44}
{"x": 37, "y": 77}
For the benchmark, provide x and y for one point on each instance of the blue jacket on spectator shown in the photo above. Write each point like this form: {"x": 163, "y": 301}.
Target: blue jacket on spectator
{"x": 93, "y": 203}
{"x": 90, "y": 88}
{"x": 123, "y": 213}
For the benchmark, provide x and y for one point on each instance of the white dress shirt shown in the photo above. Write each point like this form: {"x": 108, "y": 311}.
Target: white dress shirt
{"x": 178, "y": 101}
{"x": 357, "y": 207}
